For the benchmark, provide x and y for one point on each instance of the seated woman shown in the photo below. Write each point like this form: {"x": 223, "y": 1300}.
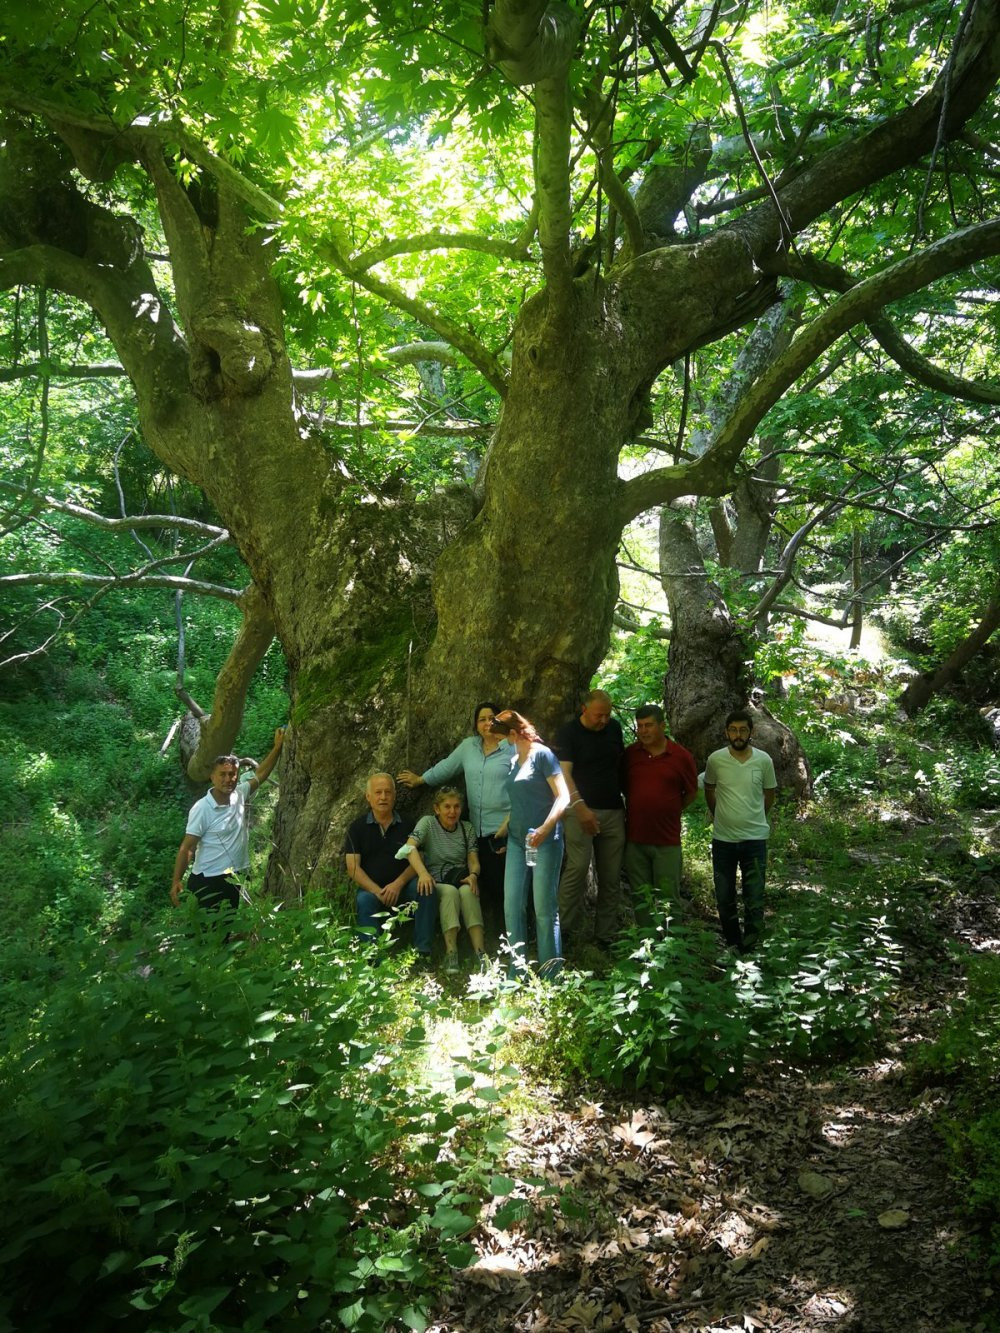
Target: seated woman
{"x": 482, "y": 760}
{"x": 443, "y": 852}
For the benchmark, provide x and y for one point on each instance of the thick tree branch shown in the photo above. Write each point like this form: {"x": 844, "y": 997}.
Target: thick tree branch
{"x": 712, "y": 473}
{"x": 125, "y": 141}
{"x": 459, "y": 338}
{"x": 220, "y": 728}
{"x": 967, "y": 79}
{"x": 439, "y": 240}
{"x": 824, "y": 274}
{"x": 533, "y": 43}
{"x": 919, "y": 691}
{"x": 131, "y": 523}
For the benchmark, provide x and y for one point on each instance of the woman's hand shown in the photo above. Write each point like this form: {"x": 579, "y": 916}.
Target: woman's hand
{"x": 425, "y": 883}
{"x": 540, "y": 834}
{"x": 472, "y": 879}
{"x": 409, "y": 779}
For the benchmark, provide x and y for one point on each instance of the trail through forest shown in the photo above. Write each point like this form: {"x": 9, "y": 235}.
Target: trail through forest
{"x": 804, "y": 1201}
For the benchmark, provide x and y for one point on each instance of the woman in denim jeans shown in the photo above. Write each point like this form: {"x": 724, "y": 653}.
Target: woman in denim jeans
{"x": 538, "y": 797}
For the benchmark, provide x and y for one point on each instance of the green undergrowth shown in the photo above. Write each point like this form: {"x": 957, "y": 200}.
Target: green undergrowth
{"x": 676, "y": 1009}
{"x": 966, "y": 1056}
{"x": 93, "y": 811}
{"x": 209, "y": 1136}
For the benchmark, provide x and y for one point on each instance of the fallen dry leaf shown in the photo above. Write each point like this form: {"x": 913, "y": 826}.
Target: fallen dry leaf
{"x": 893, "y": 1218}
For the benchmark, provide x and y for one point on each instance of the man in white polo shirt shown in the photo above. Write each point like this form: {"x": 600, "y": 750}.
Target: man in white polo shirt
{"x": 740, "y": 788}
{"x": 218, "y": 836}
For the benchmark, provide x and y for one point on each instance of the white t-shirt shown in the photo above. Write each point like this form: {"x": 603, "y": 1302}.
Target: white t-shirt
{"x": 222, "y": 830}
{"x": 740, "y": 785}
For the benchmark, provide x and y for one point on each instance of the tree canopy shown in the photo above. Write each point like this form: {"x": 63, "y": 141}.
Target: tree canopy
{"x": 343, "y": 252}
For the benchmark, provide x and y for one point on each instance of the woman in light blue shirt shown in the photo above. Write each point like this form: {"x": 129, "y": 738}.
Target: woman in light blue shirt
{"x": 483, "y": 761}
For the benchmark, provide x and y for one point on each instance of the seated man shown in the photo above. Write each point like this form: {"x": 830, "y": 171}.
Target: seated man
{"x": 383, "y": 881}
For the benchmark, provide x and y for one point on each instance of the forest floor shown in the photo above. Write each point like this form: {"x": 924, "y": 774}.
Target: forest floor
{"x": 807, "y": 1200}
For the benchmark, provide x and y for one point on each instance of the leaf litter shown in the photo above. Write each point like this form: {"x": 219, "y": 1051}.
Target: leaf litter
{"x": 806, "y": 1201}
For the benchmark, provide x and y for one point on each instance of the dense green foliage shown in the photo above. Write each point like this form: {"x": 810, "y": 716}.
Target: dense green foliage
{"x": 674, "y": 1011}
{"x": 220, "y": 1140}
{"x": 93, "y": 811}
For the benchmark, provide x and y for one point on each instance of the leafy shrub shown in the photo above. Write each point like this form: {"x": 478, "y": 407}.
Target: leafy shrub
{"x": 229, "y": 1137}
{"x": 670, "y": 1012}
{"x": 967, "y": 1051}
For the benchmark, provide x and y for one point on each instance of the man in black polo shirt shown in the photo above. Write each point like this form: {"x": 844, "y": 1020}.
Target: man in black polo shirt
{"x": 590, "y": 751}
{"x": 383, "y": 881}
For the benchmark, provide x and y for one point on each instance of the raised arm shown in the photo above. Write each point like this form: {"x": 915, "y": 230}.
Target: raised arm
{"x": 263, "y": 771}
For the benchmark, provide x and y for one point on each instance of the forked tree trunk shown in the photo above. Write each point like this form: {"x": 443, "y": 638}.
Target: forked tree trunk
{"x": 707, "y": 672}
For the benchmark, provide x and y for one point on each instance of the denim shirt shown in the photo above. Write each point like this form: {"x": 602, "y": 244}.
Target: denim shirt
{"x": 485, "y": 780}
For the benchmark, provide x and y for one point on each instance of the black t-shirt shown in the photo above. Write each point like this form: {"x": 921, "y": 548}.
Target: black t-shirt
{"x": 596, "y": 757}
{"x": 377, "y": 847}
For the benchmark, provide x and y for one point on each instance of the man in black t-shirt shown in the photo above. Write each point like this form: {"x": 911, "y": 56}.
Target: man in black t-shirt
{"x": 590, "y": 751}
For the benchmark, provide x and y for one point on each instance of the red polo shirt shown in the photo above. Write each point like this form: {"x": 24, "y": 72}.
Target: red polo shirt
{"x": 656, "y": 785}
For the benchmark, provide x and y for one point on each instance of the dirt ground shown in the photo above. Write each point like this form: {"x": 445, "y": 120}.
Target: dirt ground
{"x": 803, "y": 1202}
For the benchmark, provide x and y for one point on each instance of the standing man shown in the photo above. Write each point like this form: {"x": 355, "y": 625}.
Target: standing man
{"x": 590, "y": 750}
{"x": 383, "y": 880}
{"x": 740, "y": 788}
{"x": 218, "y": 833}
{"x": 660, "y": 782}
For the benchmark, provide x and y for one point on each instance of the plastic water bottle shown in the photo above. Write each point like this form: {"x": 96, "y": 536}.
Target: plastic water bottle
{"x": 530, "y": 852}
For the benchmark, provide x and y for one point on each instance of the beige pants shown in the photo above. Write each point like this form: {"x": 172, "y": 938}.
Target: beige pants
{"x": 458, "y": 902}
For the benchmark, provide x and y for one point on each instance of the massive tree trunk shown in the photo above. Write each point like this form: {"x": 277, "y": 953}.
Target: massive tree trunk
{"x": 395, "y": 616}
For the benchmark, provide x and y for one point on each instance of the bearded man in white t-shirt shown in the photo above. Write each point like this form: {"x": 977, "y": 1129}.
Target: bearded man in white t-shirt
{"x": 740, "y": 788}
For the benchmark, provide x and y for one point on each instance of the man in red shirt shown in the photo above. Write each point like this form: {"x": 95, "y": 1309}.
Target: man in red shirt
{"x": 660, "y": 782}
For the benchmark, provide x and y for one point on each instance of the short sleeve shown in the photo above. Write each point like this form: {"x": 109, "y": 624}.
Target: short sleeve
{"x": 563, "y": 744}
{"x": 196, "y": 821}
{"x": 710, "y": 770}
{"x": 419, "y": 833}
{"x": 351, "y": 840}
{"x": 549, "y": 764}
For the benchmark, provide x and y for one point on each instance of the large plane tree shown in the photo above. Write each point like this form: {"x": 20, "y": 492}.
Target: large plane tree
{"x": 533, "y": 211}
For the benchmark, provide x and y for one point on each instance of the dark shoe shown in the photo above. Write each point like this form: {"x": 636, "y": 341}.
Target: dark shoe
{"x": 422, "y": 963}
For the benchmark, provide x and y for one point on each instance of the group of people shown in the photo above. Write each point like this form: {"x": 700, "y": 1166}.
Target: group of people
{"x": 539, "y": 817}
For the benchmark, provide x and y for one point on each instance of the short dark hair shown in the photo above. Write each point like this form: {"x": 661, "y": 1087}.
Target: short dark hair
{"x": 739, "y": 715}
{"x": 494, "y": 709}
{"x": 225, "y": 759}
{"x": 649, "y": 710}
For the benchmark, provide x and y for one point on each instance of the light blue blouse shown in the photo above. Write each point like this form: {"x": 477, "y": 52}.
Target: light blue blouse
{"x": 485, "y": 781}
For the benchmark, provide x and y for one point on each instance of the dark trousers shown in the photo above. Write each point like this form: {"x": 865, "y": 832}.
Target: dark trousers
{"x": 492, "y": 863}
{"x": 214, "y": 891}
{"x": 372, "y": 915}
{"x": 750, "y": 859}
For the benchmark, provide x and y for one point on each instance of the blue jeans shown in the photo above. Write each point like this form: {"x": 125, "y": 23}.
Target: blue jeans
{"x": 750, "y": 859}
{"x": 543, "y": 878}
{"x": 372, "y": 914}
